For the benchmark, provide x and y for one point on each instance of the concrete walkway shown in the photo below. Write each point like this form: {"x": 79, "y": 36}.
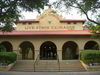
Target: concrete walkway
{"x": 50, "y": 73}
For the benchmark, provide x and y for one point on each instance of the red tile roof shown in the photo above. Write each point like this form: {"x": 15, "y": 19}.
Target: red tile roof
{"x": 30, "y": 20}
{"x": 64, "y": 32}
{"x": 72, "y": 20}
{"x": 64, "y": 20}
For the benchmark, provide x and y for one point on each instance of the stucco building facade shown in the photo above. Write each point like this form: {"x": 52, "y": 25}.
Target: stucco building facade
{"x": 48, "y": 37}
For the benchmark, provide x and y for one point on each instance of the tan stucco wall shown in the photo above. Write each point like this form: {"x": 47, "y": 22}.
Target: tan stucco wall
{"x": 49, "y": 21}
{"x": 37, "y": 41}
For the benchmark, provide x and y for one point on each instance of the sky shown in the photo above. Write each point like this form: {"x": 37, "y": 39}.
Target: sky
{"x": 72, "y": 15}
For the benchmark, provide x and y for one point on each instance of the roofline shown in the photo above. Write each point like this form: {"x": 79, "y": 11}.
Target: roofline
{"x": 62, "y": 21}
{"x": 28, "y": 21}
{"x": 31, "y": 33}
{"x": 45, "y": 34}
{"x": 72, "y": 20}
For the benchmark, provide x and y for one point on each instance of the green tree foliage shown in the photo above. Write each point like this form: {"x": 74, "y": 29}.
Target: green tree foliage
{"x": 2, "y": 48}
{"x": 87, "y": 7}
{"x": 9, "y": 11}
{"x": 93, "y": 27}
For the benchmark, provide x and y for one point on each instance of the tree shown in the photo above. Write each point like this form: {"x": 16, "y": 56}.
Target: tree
{"x": 93, "y": 27}
{"x": 10, "y": 11}
{"x": 87, "y": 7}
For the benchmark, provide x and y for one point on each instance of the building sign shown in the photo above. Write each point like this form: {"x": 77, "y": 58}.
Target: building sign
{"x": 35, "y": 27}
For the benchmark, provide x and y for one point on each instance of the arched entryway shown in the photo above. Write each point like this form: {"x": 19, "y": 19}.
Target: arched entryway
{"x": 91, "y": 45}
{"x": 48, "y": 51}
{"x": 27, "y": 50}
{"x": 70, "y": 51}
{"x": 7, "y": 46}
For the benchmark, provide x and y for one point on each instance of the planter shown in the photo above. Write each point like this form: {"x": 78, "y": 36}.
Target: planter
{"x": 91, "y": 68}
{"x": 7, "y": 68}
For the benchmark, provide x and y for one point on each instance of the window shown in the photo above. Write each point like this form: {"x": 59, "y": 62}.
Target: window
{"x": 74, "y": 22}
{"x": 24, "y": 23}
{"x": 68, "y": 22}
{"x": 29, "y": 23}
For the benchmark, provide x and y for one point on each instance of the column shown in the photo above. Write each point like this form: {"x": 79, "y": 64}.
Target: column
{"x": 80, "y": 50}
{"x": 59, "y": 52}
{"x": 17, "y": 51}
{"x": 37, "y": 54}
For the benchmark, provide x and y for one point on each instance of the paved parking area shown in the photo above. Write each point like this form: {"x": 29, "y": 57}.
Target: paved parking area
{"x": 49, "y": 73}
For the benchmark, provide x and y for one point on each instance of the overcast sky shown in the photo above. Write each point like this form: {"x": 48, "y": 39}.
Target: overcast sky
{"x": 72, "y": 15}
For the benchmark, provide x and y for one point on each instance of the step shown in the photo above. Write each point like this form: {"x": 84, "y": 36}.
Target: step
{"x": 48, "y": 66}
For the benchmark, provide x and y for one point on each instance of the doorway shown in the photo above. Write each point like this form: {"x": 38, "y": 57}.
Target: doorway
{"x": 48, "y": 51}
{"x": 27, "y": 50}
{"x": 70, "y": 51}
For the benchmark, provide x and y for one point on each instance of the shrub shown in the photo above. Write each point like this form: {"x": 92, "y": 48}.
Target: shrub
{"x": 7, "y": 57}
{"x": 90, "y": 56}
{"x": 2, "y": 48}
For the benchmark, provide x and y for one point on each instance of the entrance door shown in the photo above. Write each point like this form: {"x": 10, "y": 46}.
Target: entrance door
{"x": 48, "y": 51}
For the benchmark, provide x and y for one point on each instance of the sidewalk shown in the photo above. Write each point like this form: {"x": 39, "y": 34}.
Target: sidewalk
{"x": 49, "y": 73}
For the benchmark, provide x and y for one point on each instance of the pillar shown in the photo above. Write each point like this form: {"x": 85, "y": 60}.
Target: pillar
{"x": 59, "y": 52}
{"x": 17, "y": 50}
{"x": 37, "y": 54}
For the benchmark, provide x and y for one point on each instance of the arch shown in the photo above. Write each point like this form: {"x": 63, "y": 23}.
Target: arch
{"x": 92, "y": 45}
{"x": 27, "y": 50}
{"x": 48, "y": 51}
{"x": 70, "y": 51}
{"x": 7, "y": 45}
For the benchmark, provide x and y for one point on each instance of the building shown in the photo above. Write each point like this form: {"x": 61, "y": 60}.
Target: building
{"x": 48, "y": 37}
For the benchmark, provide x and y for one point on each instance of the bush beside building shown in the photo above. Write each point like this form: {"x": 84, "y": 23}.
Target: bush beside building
{"x": 7, "y": 57}
{"x": 90, "y": 56}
